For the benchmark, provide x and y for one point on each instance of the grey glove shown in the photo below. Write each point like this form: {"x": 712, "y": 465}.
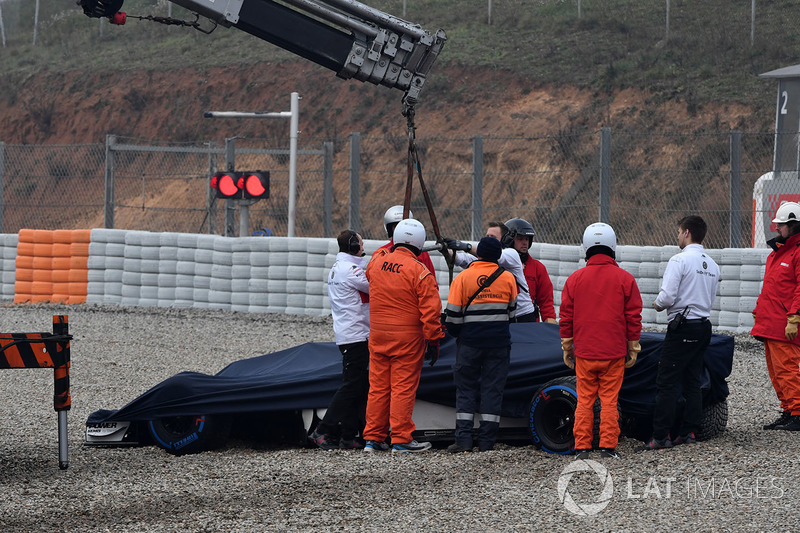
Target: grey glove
{"x": 453, "y": 244}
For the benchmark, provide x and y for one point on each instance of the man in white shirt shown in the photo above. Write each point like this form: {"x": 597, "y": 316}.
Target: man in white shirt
{"x": 687, "y": 293}
{"x": 348, "y": 290}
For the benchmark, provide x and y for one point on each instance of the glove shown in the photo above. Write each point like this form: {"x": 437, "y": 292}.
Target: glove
{"x": 633, "y": 352}
{"x": 550, "y": 321}
{"x": 458, "y": 245}
{"x": 432, "y": 352}
{"x": 791, "y": 326}
{"x": 569, "y": 352}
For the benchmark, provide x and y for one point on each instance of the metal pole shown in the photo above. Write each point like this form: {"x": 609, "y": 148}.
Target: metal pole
{"x": 605, "y": 175}
{"x": 295, "y": 110}
{"x": 63, "y": 443}
{"x": 490, "y": 13}
{"x": 355, "y": 159}
{"x": 230, "y": 165}
{"x": 2, "y": 182}
{"x": 244, "y": 218}
{"x": 735, "y": 211}
{"x": 211, "y": 197}
{"x": 579, "y": 8}
{"x": 109, "y": 181}
{"x": 477, "y": 188}
{"x": 666, "y": 34}
{"x": 35, "y": 21}
{"x": 752, "y": 21}
{"x": 2, "y": 26}
{"x": 327, "y": 189}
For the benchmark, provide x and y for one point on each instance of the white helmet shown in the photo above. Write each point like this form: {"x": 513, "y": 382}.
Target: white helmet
{"x": 393, "y": 215}
{"x": 787, "y": 212}
{"x": 410, "y": 231}
{"x": 599, "y": 234}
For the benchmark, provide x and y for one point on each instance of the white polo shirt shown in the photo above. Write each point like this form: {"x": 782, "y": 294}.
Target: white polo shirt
{"x": 690, "y": 280}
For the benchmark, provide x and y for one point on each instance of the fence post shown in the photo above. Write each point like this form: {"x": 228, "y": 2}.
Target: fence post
{"x": 108, "y": 222}
{"x": 327, "y": 189}
{"x": 605, "y": 175}
{"x": 355, "y": 163}
{"x": 2, "y": 27}
{"x": 2, "y": 182}
{"x": 211, "y": 196}
{"x": 35, "y": 22}
{"x": 477, "y": 188}
{"x": 230, "y": 208}
{"x": 735, "y": 212}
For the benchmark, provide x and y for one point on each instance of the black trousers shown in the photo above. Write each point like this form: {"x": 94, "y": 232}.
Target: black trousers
{"x": 530, "y": 317}
{"x": 346, "y": 412}
{"x": 679, "y": 371}
{"x": 480, "y": 376}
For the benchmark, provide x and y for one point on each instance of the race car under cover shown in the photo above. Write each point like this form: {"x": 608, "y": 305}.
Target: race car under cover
{"x": 280, "y": 396}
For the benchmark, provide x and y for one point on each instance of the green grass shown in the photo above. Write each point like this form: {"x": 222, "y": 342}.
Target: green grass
{"x": 615, "y": 44}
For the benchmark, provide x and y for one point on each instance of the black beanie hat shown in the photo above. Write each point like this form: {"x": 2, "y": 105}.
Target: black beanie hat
{"x": 489, "y": 249}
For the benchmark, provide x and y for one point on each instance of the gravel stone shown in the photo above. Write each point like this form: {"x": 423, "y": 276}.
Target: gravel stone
{"x": 744, "y": 480}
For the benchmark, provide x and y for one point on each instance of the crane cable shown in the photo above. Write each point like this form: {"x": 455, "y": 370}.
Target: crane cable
{"x": 414, "y": 164}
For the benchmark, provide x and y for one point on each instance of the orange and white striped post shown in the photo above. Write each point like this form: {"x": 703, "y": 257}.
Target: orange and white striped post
{"x": 44, "y": 350}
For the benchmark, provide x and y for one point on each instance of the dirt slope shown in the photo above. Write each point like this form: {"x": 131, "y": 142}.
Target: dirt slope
{"x": 68, "y": 108}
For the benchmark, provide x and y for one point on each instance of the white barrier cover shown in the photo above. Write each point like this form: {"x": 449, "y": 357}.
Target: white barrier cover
{"x": 281, "y": 275}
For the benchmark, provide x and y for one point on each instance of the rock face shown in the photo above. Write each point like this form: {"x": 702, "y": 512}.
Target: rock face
{"x": 76, "y": 107}
{"x": 72, "y": 107}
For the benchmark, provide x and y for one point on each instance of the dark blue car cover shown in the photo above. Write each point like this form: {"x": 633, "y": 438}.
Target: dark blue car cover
{"x": 307, "y": 376}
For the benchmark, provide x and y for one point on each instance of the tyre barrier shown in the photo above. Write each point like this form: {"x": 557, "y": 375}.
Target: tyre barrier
{"x": 282, "y": 275}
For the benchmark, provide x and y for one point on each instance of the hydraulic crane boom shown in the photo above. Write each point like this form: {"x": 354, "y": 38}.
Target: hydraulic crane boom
{"x": 346, "y": 36}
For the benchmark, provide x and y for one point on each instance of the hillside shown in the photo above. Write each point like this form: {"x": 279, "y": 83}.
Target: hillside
{"x": 536, "y": 70}
{"x": 84, "y": 77}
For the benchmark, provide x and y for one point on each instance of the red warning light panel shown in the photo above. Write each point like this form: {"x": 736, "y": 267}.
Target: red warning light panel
{"x": 238, "y": 185}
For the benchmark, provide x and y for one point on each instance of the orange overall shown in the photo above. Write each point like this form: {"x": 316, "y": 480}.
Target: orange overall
{"x": 601, "y": 309}
{"x": 405, "y": 313}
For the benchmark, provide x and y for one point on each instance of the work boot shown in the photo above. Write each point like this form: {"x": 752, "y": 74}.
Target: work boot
{"x": 657, "y": 444}
{"x": 785, "y": 416}
{"x": 323, "y": 441}
{"x": 374, "y": 446}
{"x": 350, "y": 444}
{"x": 793, "y": 424}
{"x": 610, "y": 453}
{"x": 411, "y": 447}
{"x": 581, "y": 453}
{"x": 689, "y": 438}
{"x": 457, "y": 448}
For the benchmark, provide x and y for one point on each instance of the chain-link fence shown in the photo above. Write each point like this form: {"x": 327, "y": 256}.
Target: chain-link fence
{"x": 561, "y": 183}
{"x": 641, "y": 183}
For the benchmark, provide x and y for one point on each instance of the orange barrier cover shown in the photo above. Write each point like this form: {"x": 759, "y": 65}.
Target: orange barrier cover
{"x": 51, "y": 266}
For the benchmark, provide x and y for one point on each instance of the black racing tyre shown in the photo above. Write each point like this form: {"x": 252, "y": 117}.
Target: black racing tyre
{"x": 715, "y": 419}
{"x": 180, "y": 435}
{"x": 552, "y": 415}
{"x": 639, "y": 427}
